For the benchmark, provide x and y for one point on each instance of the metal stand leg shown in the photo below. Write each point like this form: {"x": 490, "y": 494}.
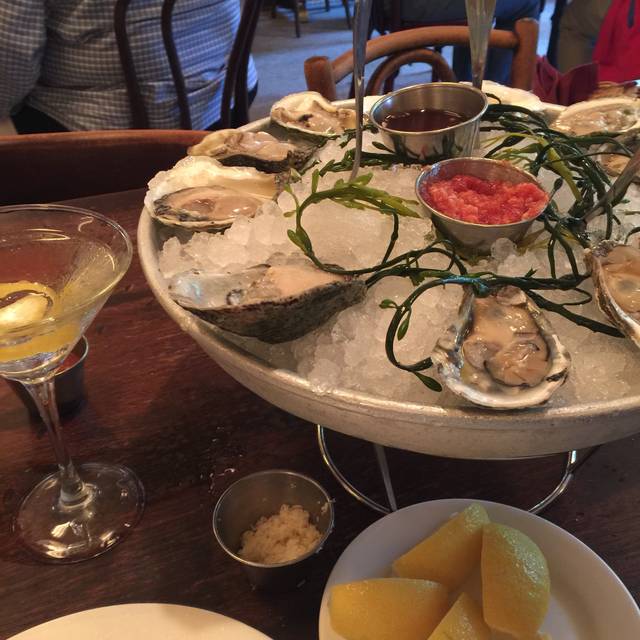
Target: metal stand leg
{"x": 381, "y": 457}
{"x": 348, "y": 487}
{"x": 571, "y": 466}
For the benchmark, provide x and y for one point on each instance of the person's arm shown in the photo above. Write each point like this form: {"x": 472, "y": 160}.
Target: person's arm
{"x": 22, "y": 41}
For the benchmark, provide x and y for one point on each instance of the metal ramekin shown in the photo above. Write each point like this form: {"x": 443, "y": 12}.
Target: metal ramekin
{"x": 431, "y": 146}
{"x": 262, "y": 494}
{"x": 471, "y": 235}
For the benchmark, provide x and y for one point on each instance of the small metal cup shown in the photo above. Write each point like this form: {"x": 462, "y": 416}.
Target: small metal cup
{"x": 474, "y": 236}
{"x": 262, "y": 494}
{"x": 69, "y": 385}
{"x": 427, "y": 147}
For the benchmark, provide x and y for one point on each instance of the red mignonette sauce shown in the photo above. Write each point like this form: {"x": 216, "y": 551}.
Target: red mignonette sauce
{"x": 480, "y": 201}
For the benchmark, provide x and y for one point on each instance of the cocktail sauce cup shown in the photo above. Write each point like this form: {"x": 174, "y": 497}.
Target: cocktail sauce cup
{"x": 474, "y": 236}
{"x": 427, "y": 147}
{"x": 262, "y": 494}
{"x": 68, "y": 382}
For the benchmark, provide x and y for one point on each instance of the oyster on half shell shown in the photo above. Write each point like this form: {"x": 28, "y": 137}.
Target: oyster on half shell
{"x": 309, "y": 113}
{"x": 501, "y": 353}
{"x": 201, "y": 194}
{"x": 259, "y": 149}
{"x": 614, "y": 163}
{"x": 274, "y": 302}
{"x": 615, "y": 269}
{"x": 604, "y": 115}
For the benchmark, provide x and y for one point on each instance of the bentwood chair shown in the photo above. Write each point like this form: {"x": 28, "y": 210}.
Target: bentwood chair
{"x": 404, "y": 47}
{"x": 235, "y": 101}
{"x": 45, "y": 167}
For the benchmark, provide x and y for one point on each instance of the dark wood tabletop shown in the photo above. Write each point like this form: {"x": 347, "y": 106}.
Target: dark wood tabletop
{"x": 159, "y": 405}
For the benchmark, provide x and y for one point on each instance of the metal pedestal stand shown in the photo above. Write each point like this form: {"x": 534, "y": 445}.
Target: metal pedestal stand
{"x": 571, "y": 466}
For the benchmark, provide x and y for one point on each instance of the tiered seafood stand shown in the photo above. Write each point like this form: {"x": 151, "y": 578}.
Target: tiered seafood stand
{"x": 455, "y": 432}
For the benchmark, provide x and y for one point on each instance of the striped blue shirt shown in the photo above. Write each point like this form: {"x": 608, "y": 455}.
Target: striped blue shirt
{"x": 61, "y": 57}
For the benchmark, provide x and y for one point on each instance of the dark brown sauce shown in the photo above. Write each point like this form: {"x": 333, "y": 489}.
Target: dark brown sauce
{"x": 422, "y": 120}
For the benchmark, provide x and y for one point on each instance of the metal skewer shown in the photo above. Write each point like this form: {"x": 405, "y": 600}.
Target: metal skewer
{"x": 480, "y": 19}
{"x": 360, "y": 37}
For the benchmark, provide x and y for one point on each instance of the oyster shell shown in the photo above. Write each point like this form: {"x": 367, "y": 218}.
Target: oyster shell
{"x": 501, "y": 353}
{"x": 604, "y": 115}
{"x": 614, "y": 164}
{"x": 201, "y": 194}
{"x": 520, "y": 98}
{"x": 615, "y": 269}
{"x": 258, "y": 149}
{"x": 274, "y": 302}
{"x": 309, "y": 113}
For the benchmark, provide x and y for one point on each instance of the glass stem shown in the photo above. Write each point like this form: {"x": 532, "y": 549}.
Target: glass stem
{"x": 73, "y": 492}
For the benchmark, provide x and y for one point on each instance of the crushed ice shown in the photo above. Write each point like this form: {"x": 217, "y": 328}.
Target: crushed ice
{"x": 348, "y": 351}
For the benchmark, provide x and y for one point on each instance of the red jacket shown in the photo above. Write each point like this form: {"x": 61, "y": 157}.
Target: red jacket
{"x": 617, "y": 49}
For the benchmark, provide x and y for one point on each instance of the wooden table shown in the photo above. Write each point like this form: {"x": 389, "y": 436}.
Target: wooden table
{"x": 159, "y": 405}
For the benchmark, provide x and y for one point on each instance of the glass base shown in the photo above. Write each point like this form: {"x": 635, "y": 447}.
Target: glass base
{"x": 56, "y": 533}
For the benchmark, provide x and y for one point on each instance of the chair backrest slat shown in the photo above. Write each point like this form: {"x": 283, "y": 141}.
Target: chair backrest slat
{"x": 235, "y": 84}
{"x": 139, "y": 115}
{"x": 393, "y": 63}
{"x": 235, "y": 105}
{"x": 174, "y": 63}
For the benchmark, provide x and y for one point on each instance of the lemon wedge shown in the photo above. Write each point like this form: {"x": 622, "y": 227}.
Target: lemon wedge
{"x": 387, "y": 609}
{"x": 515, "y": 582}
{"x": 450, "y": 554}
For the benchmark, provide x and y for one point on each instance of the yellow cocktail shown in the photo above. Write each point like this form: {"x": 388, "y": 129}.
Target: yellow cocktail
{"x": 58, "y": 266}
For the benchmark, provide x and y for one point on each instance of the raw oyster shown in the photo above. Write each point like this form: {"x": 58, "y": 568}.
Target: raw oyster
{"x": 274, "y": 302}
{"x": 614, "y": 164}
{"x": 201, "y": 194}
{"x": 615, "y": 269}
{"x": 520, "y": 98}
{"x": 501, "y": 353}
{"x": 605, "y": 115}
{"x": 309, "y": 113}
{"x": 205, "y": 207}
{"x": 259, "y": 149}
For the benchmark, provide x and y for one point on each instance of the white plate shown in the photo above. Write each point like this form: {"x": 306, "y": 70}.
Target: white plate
{"x": 136, "y": 621}
{"x": 588, "y": 600}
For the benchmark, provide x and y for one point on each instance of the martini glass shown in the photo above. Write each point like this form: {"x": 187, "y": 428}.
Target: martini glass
{"x": 58, "y": 266}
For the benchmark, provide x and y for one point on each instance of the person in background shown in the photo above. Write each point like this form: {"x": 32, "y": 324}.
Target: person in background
{"x": 579, "y": 28}
{"x": 421, "y": 12}
{"x": 60, "y": 68}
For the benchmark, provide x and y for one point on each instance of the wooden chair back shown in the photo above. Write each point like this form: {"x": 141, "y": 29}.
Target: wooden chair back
{"x": 406, "y": 46}
{"x": 45, "y": 167}
{"x": 234, "y": 110}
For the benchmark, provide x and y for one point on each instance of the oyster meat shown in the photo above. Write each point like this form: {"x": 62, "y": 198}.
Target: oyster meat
{"x": 502, "y": 353}
{"x": 604, "y": 115}
{"x": 274, "y": 302}
{"x": 615, "y": 269}
{"x": 309, "y": 113}
{"x": 258, "y": 149}
{"x": 614, "y": 163}
{"x": 201, "y": 194}
{"x": 205, "y": 207}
